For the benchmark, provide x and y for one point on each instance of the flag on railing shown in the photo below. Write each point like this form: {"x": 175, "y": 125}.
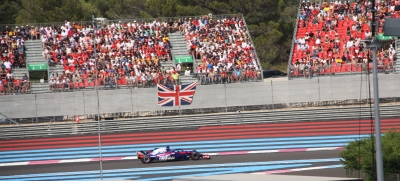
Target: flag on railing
{"x": 176, "y": 95}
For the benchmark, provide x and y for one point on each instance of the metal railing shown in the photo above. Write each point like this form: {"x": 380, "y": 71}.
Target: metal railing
{"x": 168, "y": 122}
{"x": 40, "y": 25}
{"x": 293, "y": 40}
{"x": 123, "y": 103}
{"x": 341, "y": 69}
{"x": 161, "y": 19}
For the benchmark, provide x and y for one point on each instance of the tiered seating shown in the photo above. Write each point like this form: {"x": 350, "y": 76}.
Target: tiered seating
{"x": 330, "y": 39}
{"x": 224, "y": 47}
{"x": 127, "y": 53}
{"x": 12, "y": 55}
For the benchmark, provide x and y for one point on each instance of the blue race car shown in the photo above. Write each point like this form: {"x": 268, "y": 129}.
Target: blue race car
{"x": 167, "y": 154}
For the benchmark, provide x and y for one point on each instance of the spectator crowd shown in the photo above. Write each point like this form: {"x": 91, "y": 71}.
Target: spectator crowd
{"x": 12, "y": 56}
{"x": 129, "y": 53}
{"x": 107, "y": 54}
{"x": 332, "y": 37}
{"x": 224, "y": 47}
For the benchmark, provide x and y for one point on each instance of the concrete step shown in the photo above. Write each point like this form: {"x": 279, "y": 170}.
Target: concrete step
{"x": 34, "y": 55}
{"x": 184, "y": 79}
{"x": 19, "y": 69}
{"x": 181, "y": 44}
{"x": 33, "y": 46}
{"x": 180, "y": 54}
{"x": 60, "y": 72}
{"x": 180, "y": 49}
{"x": 167, "y": 64}
{"x": 174, "y": 53}
{"x": 175, "y": 33}
{"x": 178, "y": 41}
{"x": 183, "y": 39}
{"x": 34, "y": 52}
{"x": 35, "y": 58}
{"x": 35, "y": 61}
{"x": 38, "y": 48}
{"x": 59, "y": 66}
{"x": 40, "y": 88}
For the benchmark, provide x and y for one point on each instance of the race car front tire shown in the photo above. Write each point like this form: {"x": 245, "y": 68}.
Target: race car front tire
{"x": 195, "y": 155}
{"x": 146, "y": 159}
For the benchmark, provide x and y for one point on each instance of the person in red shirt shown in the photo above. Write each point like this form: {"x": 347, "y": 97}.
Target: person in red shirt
{"x": 223, "y": 75}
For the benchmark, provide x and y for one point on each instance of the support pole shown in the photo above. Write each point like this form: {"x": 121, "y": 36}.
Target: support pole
{"x": 378, "y": 140}
{"x": 98, "y": 106}
{"x": 178, "y": 87}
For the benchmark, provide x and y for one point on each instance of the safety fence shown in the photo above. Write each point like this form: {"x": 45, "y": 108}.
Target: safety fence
{"x": 215, "y": 98}
{"x": 193, "y": 121}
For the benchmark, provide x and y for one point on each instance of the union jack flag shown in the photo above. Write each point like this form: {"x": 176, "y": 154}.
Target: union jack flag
{"x": 176, "y": 95}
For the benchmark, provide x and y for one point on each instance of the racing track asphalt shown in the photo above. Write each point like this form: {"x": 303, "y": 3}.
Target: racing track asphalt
{"x": 125, "y": 164}
{"x": 343, "y": 127}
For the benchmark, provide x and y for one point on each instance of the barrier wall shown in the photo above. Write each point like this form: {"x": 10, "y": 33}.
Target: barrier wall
{"x": 207, "y": 96}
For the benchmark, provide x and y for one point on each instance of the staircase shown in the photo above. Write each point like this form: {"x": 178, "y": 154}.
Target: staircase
{"x": 37, "y": 87}
{"x": 34, "y": 54}
{"x": 19, "y": 72}
{"x": 179, "y": 47}
{"x": 397, "y": 58}
{"x": 178, "y": 42}
{"x": 58, "y": 68}
{"x": 34, "y": 51}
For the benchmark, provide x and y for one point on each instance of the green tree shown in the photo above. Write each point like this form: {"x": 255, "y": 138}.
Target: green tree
{"x": 360, "y": 154}
{"x": 8, "y": 11}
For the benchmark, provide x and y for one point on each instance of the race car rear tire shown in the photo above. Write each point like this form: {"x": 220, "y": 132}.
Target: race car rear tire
{"x": 195, "y": 155}
{"x": 146, "y": 159}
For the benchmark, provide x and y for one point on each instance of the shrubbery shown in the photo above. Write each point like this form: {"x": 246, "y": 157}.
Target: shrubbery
{"x": 360, "y": 154}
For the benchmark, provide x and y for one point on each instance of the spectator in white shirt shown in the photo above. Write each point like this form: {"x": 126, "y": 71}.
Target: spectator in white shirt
{"x": 367, "y": 35}
{"x": 8, "y": 64}
{"x": 187, "y": 71}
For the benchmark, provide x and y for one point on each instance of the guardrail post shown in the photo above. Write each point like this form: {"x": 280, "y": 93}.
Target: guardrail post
{"x": 84, "y": 104}
{"x": 319, "y": 92}
{"x": 36, "y": 109}
{"x": 272, "y": 95}
{"x": 131, "y": 101}
{"x": 226, "y": 100}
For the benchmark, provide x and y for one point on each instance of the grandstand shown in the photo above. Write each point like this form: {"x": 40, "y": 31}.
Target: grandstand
{"x": 12, "y": 60}
{"x": 139, "y": 53}
{"x": 331, "y": 38}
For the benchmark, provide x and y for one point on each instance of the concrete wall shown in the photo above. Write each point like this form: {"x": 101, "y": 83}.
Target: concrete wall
{"x": 206, "y": 96}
